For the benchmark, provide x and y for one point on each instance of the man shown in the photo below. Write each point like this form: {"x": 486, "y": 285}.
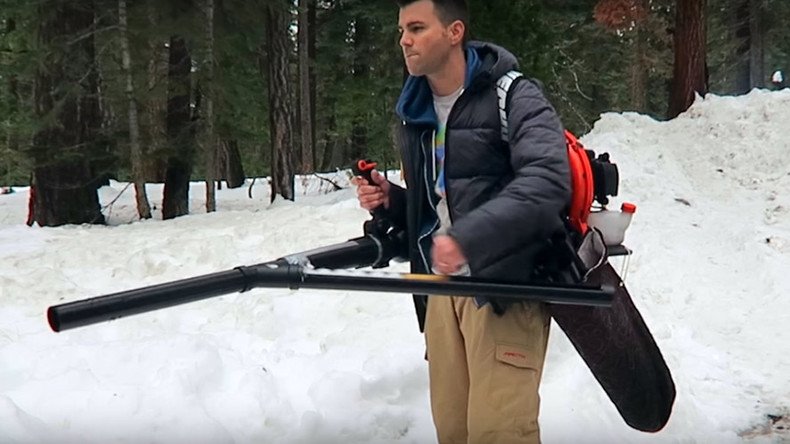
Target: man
{"x": 474, "y": 204}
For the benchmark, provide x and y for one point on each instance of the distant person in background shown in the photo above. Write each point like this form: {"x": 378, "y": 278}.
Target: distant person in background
{"x": 778, "y": 80}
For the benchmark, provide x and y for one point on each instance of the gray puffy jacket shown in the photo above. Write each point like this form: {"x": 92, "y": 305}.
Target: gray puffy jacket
{"x": 505, "y": 201}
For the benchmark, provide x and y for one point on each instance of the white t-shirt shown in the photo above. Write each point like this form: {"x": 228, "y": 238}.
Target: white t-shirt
{"x": 442, "y": 105}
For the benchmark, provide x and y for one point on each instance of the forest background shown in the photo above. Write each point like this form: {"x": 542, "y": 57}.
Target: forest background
{"x": 173, "y": 91}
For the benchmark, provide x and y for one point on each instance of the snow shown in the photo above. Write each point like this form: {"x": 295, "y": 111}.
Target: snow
{"x": 711, "y": 241}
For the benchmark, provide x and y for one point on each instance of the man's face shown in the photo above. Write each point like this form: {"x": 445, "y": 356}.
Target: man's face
{"x": 424, "y": 39}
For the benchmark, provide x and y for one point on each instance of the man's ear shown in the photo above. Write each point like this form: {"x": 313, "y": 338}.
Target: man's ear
{"x": 457, "y": 31}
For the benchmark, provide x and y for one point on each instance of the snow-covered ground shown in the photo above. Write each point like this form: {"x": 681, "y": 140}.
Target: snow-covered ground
{"x": 710, "y": 273}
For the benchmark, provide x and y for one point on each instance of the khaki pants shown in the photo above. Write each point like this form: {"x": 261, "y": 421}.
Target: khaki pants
{"x": 485, "y": 370}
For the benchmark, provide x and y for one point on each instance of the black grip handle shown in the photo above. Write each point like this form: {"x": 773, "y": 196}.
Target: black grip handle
{"x": 364, "y": 169}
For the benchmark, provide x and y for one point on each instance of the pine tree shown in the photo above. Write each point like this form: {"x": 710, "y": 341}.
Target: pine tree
{"x": 67, "y": 105}
{"x": 278, "y": 46}
{"x": 690, "y": 70}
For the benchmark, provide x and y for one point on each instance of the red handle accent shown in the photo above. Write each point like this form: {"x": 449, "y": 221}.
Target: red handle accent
{"x": 364, "y": 169}
{"x": 365, "y": 166}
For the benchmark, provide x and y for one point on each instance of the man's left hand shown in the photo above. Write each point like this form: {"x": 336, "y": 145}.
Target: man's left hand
{"x": 446, "y": 255}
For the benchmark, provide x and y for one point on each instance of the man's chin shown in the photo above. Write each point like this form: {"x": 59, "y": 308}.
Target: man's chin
{"x": 413, "y": 70}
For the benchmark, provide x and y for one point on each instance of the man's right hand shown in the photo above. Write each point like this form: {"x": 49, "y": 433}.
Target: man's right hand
{"x": 371, "y": 196}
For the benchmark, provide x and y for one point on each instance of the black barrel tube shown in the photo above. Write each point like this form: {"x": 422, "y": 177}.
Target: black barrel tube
{"x": 461, "y": 286}
{"x": 141, "y": 300}
{"x": 359, "y": 252}
{"x": 291, "y": 272}
{"x": 356, "y": 252}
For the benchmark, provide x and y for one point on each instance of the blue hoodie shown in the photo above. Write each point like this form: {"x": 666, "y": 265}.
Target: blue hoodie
{"x": 415, "y": 105}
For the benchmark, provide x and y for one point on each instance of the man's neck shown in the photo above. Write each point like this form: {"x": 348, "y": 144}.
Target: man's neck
{"x": 452, "y": 77}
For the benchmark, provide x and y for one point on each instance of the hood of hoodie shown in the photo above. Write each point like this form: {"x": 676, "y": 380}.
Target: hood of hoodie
{"x": 485, "y": 63}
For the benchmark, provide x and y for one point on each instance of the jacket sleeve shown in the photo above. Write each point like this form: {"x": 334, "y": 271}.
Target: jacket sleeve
{"x": 528, "y": 209}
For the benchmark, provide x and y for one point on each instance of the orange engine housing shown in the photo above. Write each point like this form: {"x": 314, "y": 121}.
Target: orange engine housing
{"x": 581, "y": 184}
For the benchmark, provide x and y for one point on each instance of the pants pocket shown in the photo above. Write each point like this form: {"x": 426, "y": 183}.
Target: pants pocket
{"x": 517, "y": 356}
{"x": 512, "y": 399}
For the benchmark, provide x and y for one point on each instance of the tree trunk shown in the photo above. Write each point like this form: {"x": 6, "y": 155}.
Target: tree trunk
{"x": 209, "y": 138}
{"x": 743, "y": 81}
{"x": 66, "y": 98}
{"x": 639, "y": 69}
{"x": 690, "y": 70}
{"x": 331, "y": 156}
{"x": 105, "y": 157}
{"x": 311, "y": 54}
{"x": 154, "y": 114}
{"x": 757, "y": 44}
{"x": 361, "y": 71}
{"x": 306, "y": 83}
{"x": 750, "y": 33}
{"x": 229, "y": 166}
{"x": 278, "y": 48}
{"x": 639, "y": 73}
{"x": 179, "y": 131}
{"x": 12, "y": 138}
{"x": 135, "y": 152}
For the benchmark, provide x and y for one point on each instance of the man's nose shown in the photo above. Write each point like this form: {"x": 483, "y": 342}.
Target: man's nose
{"x": 406, "y": 40}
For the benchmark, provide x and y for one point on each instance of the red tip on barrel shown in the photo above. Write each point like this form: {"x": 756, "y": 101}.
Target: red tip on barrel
{"x": 52, "y": 319}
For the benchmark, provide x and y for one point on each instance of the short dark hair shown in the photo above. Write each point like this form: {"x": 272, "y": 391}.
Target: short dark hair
{"x": 447, "y": 10}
